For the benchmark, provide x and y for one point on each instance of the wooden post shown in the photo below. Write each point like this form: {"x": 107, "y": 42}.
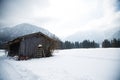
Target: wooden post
{"x": 43, "y": 52}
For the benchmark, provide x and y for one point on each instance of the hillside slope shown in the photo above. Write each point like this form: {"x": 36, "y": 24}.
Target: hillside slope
{"x": 9, "y": 33}
{"x": 97, "y": 35}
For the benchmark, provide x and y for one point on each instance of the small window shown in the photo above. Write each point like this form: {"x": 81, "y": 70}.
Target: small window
{"x": 40, "y": 45}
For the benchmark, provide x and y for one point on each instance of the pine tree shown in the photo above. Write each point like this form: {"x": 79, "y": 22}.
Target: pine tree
{"x": 77, "y": 45}
{"x": 106, "y": 43}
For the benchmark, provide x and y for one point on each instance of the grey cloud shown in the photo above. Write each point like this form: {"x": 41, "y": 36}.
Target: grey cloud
{"x": 118, "y": 5}
{"x": 13, "y": 10}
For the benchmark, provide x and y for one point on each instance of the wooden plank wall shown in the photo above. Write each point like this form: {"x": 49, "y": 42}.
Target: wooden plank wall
{"x": 29, "y": 45}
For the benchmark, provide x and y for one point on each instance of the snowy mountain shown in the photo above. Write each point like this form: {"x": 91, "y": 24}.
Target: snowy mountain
{"x": 4, "y": 34}
{"x": 116, "y": 35}
{"x": 86, "y": 35}
{"x": 98, "y": 36}
{"x": 113, "y": 33}
{"x": 8, "y": 33}
{"x": 25, "y": 28}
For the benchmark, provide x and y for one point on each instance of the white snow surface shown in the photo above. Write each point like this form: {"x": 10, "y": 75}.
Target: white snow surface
{"x": 72, "y": 64}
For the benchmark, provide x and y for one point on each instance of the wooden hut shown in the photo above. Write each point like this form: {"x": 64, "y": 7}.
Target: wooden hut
{"x": 32, "y": 46}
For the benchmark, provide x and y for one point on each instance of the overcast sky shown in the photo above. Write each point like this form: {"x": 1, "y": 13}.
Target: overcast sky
{"x": 61, "y": 17}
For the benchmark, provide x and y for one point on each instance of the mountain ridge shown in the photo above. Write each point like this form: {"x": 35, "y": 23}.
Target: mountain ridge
{"x": 10, "y": 33}
{"x": 96, "y": 35}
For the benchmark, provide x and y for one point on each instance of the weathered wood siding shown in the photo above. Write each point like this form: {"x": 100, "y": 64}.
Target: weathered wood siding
{"x": 29, "y": 45}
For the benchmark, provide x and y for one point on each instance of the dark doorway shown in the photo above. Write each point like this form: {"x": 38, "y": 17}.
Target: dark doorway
{"x": 14, "y": 49}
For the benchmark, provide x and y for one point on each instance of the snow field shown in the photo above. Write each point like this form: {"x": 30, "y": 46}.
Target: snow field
{"x": 72, "y": 64}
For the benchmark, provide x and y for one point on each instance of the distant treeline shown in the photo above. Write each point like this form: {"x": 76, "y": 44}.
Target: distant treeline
{"x": 84, "y": 44}
{"x": 113, "y": 43}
